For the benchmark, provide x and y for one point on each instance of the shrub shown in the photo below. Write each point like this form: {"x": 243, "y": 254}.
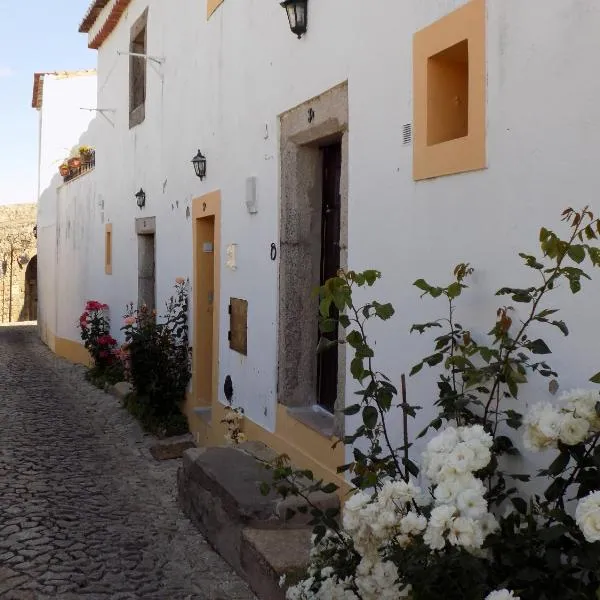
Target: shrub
{"x": 158, "y": 355}
{"x": 473, "y": 534}
{"x": 94, "y": 326}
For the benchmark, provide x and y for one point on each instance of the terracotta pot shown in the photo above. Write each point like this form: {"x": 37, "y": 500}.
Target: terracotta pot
{"x": 75, "y": 162}
{"x": 64, "y": 170}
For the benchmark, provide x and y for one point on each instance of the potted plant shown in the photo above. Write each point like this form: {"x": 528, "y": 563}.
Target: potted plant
{"x": 64, "y": 169}
{"x": 74, "y": 162}
{"x": 86, "y": 153}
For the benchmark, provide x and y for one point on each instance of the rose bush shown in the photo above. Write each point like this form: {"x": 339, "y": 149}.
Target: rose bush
{"x": 472, "y": 534}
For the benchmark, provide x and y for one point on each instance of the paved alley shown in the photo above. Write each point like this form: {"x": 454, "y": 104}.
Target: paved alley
{"x": 85, "y": 511}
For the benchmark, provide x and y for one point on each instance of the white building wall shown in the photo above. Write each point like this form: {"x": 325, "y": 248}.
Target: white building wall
{"x": 220, "y": 89}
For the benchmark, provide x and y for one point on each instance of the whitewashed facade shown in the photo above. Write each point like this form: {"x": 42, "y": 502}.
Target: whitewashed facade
{"x": 222, "y": 83}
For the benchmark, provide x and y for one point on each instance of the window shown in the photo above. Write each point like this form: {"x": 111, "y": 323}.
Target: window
{"x": 449, "y": 80}
{"x": 108, "y": 249}
{"x": 448, "y": 94}
{"x": 137, "y": 71}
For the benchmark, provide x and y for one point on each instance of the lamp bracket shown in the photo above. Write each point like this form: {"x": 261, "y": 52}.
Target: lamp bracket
{"x": 102, "y": 112}
{"x": 159, "y": 60}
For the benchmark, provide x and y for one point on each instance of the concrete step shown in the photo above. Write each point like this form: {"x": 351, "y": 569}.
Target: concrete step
{"x": 219, "y": 490}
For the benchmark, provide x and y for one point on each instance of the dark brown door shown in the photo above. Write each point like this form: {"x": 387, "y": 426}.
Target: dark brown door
{"x": 327, "y": 367}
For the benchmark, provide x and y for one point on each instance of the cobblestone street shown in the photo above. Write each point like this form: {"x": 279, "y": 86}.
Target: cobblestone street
{"x": 85, "y": 511}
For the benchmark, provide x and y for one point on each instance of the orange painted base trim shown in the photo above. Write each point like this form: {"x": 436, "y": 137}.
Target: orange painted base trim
{"x": 306, "y": 448}
{"x": 68, "y": 349}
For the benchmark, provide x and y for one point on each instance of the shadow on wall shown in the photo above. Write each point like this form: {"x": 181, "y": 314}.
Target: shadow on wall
{"x": 29, "y": 310}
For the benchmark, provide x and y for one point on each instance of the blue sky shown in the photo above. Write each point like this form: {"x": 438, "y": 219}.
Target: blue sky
{"x": 35, "y": 35}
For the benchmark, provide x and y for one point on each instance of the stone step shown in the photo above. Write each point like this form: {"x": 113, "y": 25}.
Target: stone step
{"x": 267, "y": 555}
{"x": 219, "y": 490}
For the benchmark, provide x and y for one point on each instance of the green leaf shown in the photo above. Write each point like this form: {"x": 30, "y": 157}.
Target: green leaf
{"x": 454, "y": 290}
{"x": 538, "y": 347}
{"x": 434, "y": 359}
{"x": 327, "y": 325}
{"x": 520, "y": 505}
{"x": 370, "y": 417}
{"x": 418, "y": 367}
{"x": 559, "y": 464}
{"x": 357, "y": 369}
{"x": 595, "y": 378}
{"x": 344, "y": 321}
{"x": 265, "y": 488}
{"x": 422, "y": 285}
{"x": 325, "y": 306}
{"x": 577, "y": 253}
{"x": 354, "y": 338}
{"x": 371, "y": 276}
{"x": 384, "y": 311}
{"x": 555, "y": 489}
{"x": 562, "y": 326}
{"x": 330, "y": 488}
{"x": 351, "y": 410}
{"x": 411, "y": 467}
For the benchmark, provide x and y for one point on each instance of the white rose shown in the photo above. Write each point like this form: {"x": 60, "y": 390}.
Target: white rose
{"x": 433, "y": 464}
{"x": 413, "y": 524}
{"x": 397, "y": 493}
{"x": 481, "y": 454}
{"x": 573, "y": 430}
{"x": 461, "y": 459}
{"x": 441, "y": 516}
{"x": 464, "y": 532}
{"x": 587, "y": 516}
{"x": 476, "y": 433}
{"x": 488, "y": 524}
{"x": 444, "y": 442}
{"x": 446, "y": 491}
{"x": 542, "y": 427}
{"x": 471, "y": 504}
{"x": 434, "y": 538}
{"x": 583, "y": 403}
{"x": 502, "y": 595}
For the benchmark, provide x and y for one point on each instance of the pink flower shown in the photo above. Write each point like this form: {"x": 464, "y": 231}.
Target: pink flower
{"x": 180, "y": 280}
{"x": 130, "y": 320}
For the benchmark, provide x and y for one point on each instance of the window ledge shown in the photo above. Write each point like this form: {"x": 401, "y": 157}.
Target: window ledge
{"x": 204, "y": 413}
{"x": 315, "y": 417}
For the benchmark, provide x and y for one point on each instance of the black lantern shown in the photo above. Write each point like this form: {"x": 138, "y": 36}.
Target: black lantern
{"x": 297, "y": 12}
{"x": 141, "y": 198}
{"x": 199, "y": 162}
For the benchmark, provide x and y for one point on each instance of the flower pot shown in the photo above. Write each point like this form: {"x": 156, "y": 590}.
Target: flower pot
{"x": 75, "y": 162}
{"x": 64, "y": 170}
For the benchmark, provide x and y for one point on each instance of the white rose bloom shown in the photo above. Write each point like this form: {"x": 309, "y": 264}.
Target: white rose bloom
{"x": 377, "y": 580}
{"x": 502, "y": 595}
{"x": 460, "y": 460}
{"x": 542, "y": 427}
{"x": 442, "y": 516}
{"x": 488, "y": 524}
{"x": 433, "y": 465}
{"x": 443, "y": 442}
{"x": 465, "y": 532}
{"x": 573, "y": 430}
{"x": 471, "y": 504}
{"x": 587, "y": 516}
{"x": 434, "y": 537}
{"x": 413, "y": 524}
{"x": 476, "y": 433}
{"x": 481, "y": 454}
{"x": 447, "y": 490}
{"x": 397, "y": 493}
{"x": 583, "y": 404}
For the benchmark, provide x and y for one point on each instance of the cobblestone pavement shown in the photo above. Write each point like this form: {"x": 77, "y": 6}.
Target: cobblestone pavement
{"x": 85, "y": 511}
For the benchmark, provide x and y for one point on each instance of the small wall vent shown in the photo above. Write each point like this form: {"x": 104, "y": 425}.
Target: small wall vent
{"x": 407, "y": 134}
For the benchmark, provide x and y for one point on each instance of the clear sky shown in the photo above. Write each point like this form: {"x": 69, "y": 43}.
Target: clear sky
{"x": 35, "y": 35}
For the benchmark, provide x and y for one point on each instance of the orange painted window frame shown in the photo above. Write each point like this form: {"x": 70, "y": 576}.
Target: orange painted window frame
{"x": 466, "y": 153}
{"x": 211, "y": 6}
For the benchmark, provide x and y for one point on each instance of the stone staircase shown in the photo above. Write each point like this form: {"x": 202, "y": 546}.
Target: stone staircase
{"x": 219, "y": 491}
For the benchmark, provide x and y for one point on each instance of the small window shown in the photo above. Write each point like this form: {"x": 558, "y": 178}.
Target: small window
{"x": 108, "y": 249}
{"x": 137, "y": 71}
{"x": 448, "y": 94}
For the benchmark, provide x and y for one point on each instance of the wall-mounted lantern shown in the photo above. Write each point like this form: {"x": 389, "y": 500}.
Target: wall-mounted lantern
{"x": 141, "y": 198}
{"x": 297, "y": 12}
{"x": 199, "y": 162}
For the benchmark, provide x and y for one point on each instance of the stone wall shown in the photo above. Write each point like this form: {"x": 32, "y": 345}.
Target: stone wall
{"x": 18, "y": 263}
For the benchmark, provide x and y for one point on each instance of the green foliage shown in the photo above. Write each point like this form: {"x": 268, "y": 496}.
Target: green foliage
{"x": 158, "y": 356}
{"x": 539, "y": 552}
